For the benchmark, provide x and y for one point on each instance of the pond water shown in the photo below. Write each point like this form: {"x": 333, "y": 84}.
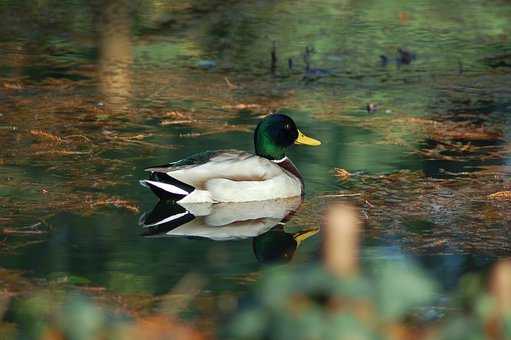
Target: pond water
{"x": 93, "y": 92}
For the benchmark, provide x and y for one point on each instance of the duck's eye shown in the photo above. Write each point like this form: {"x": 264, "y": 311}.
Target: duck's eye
{"x": 287, "y": 126}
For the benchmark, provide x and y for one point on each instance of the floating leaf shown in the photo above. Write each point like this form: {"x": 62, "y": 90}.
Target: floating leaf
{"x": 342, "y": 174}
{"x": 46, "y": 135}
{"x": 500, "y": 196}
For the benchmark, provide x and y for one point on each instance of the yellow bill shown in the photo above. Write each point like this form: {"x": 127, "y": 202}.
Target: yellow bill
{"x": 303, "y": 139}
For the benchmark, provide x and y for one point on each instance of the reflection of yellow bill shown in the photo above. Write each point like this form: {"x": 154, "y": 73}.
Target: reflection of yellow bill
{"x": 303, "y": 139}
{"x": 303, "y": 235}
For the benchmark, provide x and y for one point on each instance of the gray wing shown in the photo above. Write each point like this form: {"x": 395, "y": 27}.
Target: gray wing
{"x": 200, "y": 159}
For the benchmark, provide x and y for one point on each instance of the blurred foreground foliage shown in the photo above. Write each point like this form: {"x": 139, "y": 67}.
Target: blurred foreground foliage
{"x": 311, "y": 303}
{"x": 395, "y": 301}
{"x": 56, "y": 313}
{"x": 390, "y": 299}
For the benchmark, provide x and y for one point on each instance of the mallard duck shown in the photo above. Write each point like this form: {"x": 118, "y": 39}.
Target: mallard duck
{"x": 233, "y": 175}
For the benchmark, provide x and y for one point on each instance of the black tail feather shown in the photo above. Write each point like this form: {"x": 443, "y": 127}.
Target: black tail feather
{"x": 163, "y": 194}
{"x": 181, "y": 189}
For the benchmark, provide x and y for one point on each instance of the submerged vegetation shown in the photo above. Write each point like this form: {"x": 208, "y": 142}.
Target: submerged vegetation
{"x": 410, "y": 99}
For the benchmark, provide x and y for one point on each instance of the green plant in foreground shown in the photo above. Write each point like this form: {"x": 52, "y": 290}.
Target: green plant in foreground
{"x": 311, "y": 303}
{"x": 390, "y": 300}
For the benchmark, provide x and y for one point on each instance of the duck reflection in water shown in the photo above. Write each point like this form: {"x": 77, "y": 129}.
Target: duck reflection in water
{"x": 263, "y": 221}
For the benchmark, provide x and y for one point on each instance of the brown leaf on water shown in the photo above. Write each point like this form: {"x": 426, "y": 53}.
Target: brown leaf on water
{"x": 449, "y": 130}
{"x": 166, "y": 122}
{"x": 138, "y": 139}
{"x": 434, "y": 154}
{"x": 500, "y": 196}
{"x": 92, "y": 289}
{"x": 468, "y": 133}
{"x": 62, "y": 152}
{"x": 140, "y": 136}
{"x": 12, "y": 85}
{"x": 77, "y": 136}
{"x": 229, "y": 84}
{"x": 58, "y": 83}
{"x": 242, "y": 106}
{"x": 178, "y": 115}
{"x": 116, "y": 202}
{"x": 435, "y": 243}
{"x": 217, "y": 129}
{"x": 46, "y": 136}
{"x": 342, "y": 174}
{"x": 12, "y": 231}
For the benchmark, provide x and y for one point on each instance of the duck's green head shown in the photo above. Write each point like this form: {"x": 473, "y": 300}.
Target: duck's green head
{"x": 275, "y": 133}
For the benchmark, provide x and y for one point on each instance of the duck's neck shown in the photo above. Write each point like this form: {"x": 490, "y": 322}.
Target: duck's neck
{"x": 266, "y": 148}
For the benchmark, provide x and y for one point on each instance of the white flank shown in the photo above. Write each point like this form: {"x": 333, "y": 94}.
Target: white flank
{"x": 282, "y": 186}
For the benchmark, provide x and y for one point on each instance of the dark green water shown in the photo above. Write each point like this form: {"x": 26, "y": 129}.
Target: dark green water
{"x": 70, "y": 67}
